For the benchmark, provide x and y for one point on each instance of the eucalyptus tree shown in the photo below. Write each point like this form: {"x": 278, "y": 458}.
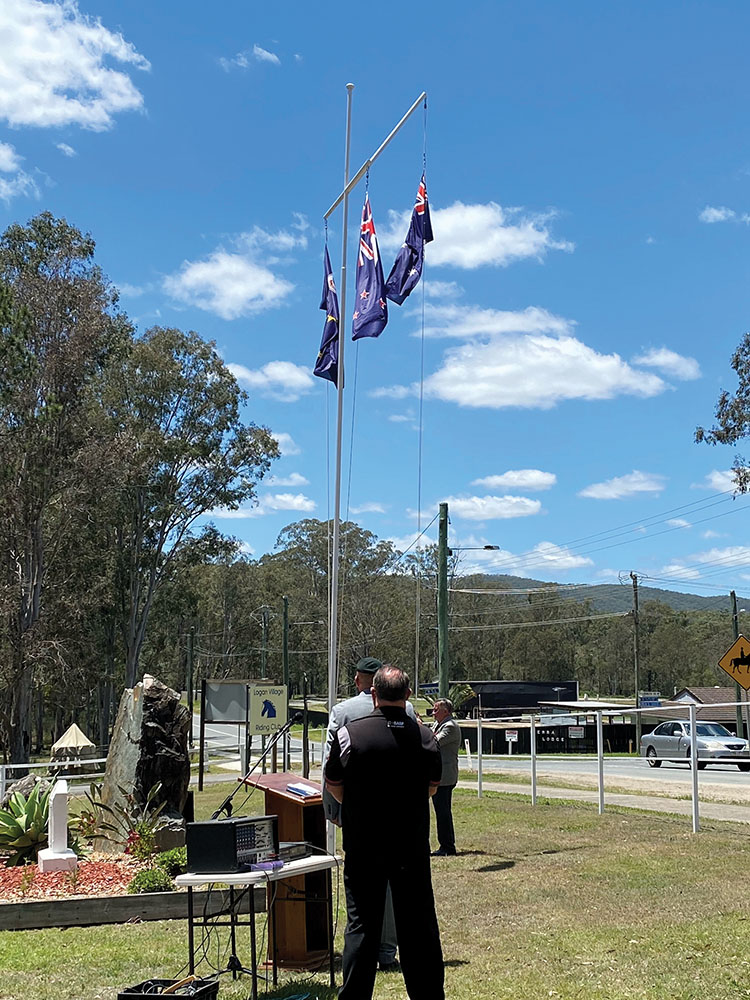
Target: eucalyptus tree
{"x": 175, "y": 408}
{"x": 70, "y": 324}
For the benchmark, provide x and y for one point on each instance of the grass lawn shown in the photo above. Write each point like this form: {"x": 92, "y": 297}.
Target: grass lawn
{"x": 554, "y": 901}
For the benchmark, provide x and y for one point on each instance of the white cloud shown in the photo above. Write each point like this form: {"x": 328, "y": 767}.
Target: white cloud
{"x": 228, "y": 284}
{"x": 270, "y": 504}
{"x": 709, "y": 533}
{"x": 677, "y": 569}
{"x": 239, "y": 282}
{"x": 650, "y": 241}
{"x": 400, "y": 418}
{"x": 442, "y": 289}
{"x": 622, "y": 487}
{"x": 242, "y": 59}
{"x": 263, "y": 55}
{"x": 288, "y": 501}
{"x": 608, "y": 574}
{"x": 391, "y": 392}
{"x": 10, "y": 161}
{"x": 518, "y": 479}
{"x": 472, "y": 321}
{"x": 293, "y": 479}
{"x": 670, "y": 362}
{"x": 19, "y": 182}
{"x": 492, "y": 507}
{"x": 471, "y": 236}
{"x": 133, "y": 291}
{"x": 65, "y": 149}
{"x": 720, "y": 481}
{"x": 544, "y": 556}
{"x": 534, "y": 371}
{"x": 679, "y": 522}
{"x": 732, "y": 555}
{"x": 246, "y": 549}
{"x": 280, "y": 380}
{"x": 370, "y": 507}
{"x": 722, "y": 214}
{"x": 56, "y": 67}
{"x": 287, "y": 445}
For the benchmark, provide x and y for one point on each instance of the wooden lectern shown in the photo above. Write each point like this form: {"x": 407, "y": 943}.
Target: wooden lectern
{"x": 301, "y": 921}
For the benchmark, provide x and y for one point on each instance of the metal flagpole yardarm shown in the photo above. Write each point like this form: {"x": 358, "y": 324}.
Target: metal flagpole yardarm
{"x": 349, "y": 186}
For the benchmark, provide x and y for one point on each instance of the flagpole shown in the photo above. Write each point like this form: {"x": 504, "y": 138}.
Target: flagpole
{"x": 333, "y": 620}
{"x": 349, "y": 185}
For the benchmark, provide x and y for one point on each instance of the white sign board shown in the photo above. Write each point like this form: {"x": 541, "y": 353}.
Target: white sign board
{"x": 511, "y": 735}
{"x": 576, "y": 732}
{"x": 268, "y": 704}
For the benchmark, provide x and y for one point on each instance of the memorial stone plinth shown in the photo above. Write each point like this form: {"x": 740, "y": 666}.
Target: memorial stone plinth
{"x": 58, "y": 857}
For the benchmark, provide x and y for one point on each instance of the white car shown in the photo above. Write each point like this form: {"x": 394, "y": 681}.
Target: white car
{"x": 671, "y": 741}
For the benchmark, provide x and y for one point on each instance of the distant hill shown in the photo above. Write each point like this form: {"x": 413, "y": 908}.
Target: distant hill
{"x": 608, "y": 596}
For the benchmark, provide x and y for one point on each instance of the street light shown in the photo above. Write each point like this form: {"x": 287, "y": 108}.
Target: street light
{"x": 473, "y": 548}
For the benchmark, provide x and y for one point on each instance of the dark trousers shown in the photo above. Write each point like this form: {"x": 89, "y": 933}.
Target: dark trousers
{"x": 441, "y": 800}
{"x": 421, "y": 957}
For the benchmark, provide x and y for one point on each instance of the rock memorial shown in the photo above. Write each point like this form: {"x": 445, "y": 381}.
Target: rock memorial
{"x": 150, "y": 745}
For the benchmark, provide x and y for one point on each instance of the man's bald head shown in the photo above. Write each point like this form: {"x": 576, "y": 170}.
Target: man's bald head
{"x": 390, "y": 686}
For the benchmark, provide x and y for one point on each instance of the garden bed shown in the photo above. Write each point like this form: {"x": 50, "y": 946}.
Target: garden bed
{"x": 95, "y": 894}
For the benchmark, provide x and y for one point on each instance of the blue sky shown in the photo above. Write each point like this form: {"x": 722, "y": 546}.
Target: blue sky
{"x": 589, "y": 177}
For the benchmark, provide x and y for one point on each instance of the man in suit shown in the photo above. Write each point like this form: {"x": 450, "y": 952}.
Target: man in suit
{"x": 448, "y": 737}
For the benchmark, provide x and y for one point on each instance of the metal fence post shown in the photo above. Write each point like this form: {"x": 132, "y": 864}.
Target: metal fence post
{"x": 694, "y": 767}
{"x": 2, "y": 780}
{"x": 479, "y": 754}
{"x": 532, "y": 743}
{"x": 600, "y": 759}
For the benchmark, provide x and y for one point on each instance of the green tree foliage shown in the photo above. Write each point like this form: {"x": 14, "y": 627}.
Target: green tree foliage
{"x": 733, "y": 414}
{"x": 59, "y": 329}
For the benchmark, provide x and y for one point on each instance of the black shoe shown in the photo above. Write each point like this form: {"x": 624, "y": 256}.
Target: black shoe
{"x": 394, "y": 966}
{"x": 444, "y": 853}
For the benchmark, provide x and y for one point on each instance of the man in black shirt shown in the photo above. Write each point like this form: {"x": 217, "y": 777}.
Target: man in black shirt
{"x": 383, "y": 769}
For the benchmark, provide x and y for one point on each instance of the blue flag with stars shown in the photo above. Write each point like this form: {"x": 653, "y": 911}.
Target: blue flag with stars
{"x": 327, "y": 365}
{"x": 407, "y": 268}
{"x": 371, "y": 308}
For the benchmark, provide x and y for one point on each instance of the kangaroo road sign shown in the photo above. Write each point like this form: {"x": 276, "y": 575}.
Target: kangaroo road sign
{"x": 736, "y": 661}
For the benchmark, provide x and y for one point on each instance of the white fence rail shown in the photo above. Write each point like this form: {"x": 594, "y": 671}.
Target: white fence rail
{"x": 674, "y": 714}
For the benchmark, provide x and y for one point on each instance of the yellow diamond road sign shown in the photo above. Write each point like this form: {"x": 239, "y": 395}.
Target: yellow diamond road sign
{"x": 736, "y": 661}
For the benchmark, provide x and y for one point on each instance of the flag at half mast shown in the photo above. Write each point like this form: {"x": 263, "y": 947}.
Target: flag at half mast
{"x": 407, "y": 268}
{"x": 371, "y": 308}
{"x": 327, "y": 364}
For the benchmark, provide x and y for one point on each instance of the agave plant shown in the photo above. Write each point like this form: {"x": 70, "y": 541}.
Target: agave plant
{"x": 23, "y": 825}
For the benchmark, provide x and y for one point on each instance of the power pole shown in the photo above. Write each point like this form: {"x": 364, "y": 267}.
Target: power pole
{"x": 189, "y": 681}
{"x": 442, "y": 603}
{"x": 737, "y": 688}
{"x": 264, "y": 643}
{"x": 636, "y": 660}
{"x": 285, "y": 643}
{"x": 285, "y": 670}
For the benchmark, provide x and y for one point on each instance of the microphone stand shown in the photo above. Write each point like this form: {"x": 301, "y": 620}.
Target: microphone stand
{"x": 226, "y": 805}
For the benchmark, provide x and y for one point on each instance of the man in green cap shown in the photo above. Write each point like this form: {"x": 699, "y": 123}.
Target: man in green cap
{"x": 345, "y": 712}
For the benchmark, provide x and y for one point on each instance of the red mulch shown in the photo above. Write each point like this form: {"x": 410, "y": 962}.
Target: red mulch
{"x": 99, "y": 875}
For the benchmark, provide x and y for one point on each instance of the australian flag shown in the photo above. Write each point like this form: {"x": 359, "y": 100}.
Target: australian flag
{"x": 407, "y": 268}
{"x": 371, "y": 308}
{"x": 327, "y": 365}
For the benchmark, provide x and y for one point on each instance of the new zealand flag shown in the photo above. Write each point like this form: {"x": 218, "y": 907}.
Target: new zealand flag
{"x": 407, "y": 268}
{"x": 327, "y": 365}
{"x": 371, "y": 308}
